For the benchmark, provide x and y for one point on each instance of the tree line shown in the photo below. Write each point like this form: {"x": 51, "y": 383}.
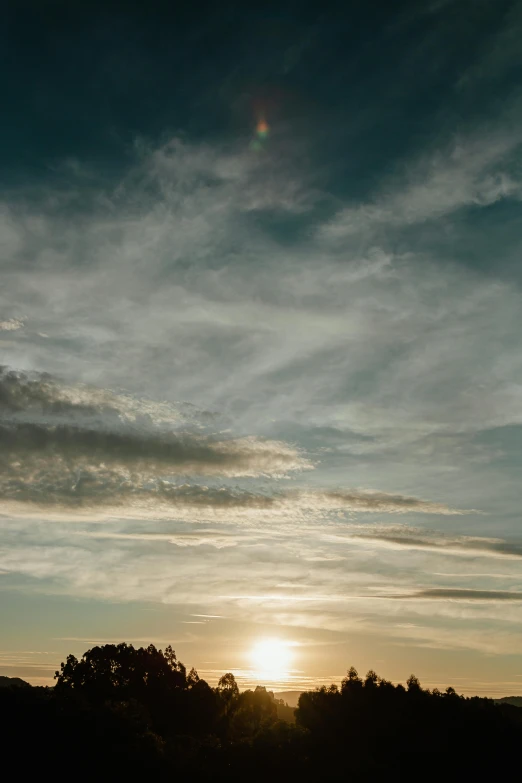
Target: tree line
{"x": 121, "y": 711}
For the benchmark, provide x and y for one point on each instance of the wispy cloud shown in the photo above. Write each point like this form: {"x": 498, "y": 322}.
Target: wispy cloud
{"x": 457, "y": 545}
{"x": 336, "y": 333}
{"x": 11, "y": 325}
{"x": 471, "y": 172}
{"x": 206, "y": 538}
{"x": 264, "y": 572}
{"x": 459, "y": 594}
{"x": 68, "y": 446}
{"x": 368, "y": 501}
{"x": 332, "y": 347}
{"x": 89, "y": 447}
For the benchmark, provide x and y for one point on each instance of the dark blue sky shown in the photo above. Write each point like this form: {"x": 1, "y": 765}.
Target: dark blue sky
{"x": 84, "y": 79}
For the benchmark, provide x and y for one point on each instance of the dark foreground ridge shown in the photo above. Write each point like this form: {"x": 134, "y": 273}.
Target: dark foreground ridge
{"x": 13, "y": 682}
{"x": 125, "y": 713}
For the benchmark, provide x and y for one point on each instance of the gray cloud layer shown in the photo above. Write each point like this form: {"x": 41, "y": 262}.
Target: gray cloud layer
{"x": 454, "y": 594}
{"x": 83, "y": 446}
{"x": 71, "y": 445}
{"x": 471, "y": 545}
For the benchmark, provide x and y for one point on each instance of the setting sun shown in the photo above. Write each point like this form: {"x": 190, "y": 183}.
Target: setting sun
{"x": 271, "y": 656}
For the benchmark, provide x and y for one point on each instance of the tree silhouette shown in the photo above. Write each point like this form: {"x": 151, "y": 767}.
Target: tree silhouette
{"x": 121, "y": 671}
{"x": 254, "y": 711}
{"x": 352, "y": 683}
{"x": 121, "y": 712}
{"x": 227, "y": 686}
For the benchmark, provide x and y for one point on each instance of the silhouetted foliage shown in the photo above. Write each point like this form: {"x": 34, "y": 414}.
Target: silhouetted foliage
{"x": 123, "y": 713}
{"x": 390, "y": 726}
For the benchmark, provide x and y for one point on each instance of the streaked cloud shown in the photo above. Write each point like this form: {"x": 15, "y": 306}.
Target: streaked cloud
{"x": 337, "y": 377}
{"x": 368, "y": 501}
{"x": 67, "y": 445}
{"x": 482, "y": 546}
{"x": 454, "y": 594}
{"x": 81, "y": 446}
{"x": 472, "y": 171}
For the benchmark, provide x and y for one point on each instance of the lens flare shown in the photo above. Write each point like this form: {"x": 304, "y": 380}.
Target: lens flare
{"x": 262, "y": 129}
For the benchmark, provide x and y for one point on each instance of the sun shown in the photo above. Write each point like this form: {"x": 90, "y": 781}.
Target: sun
{"x": 271, "y": 657}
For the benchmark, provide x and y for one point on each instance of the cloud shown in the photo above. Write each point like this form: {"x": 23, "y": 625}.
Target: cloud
{"x": 33, "y": 394}
{"x": 11, "y": 325}
{"x": 497, "y": 59}
{"x": 195, "y": 282}
{"x": 368, "y": 501}
{"x": 203, "y": 538}
{"x": 72, "y": 459}
{"x": 86, "y": 447}
{"x": 458, "y": 594}
{"x": 76, "y": 444}
{"x": 458, "y": 545}
{"x": 372, "y": 339}
{"x": 472, "y": 171}
{"x": 100, "y": 494}
{"x": 260, "y": 571}
{"x": 129, "y": 637}
{"x": 208, "y": 276}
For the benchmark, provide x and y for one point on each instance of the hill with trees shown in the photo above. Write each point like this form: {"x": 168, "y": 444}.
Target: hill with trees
{"x": 124, "y": 712}
{"x": 516, "y": 701}
{"x": 13, "y": 682}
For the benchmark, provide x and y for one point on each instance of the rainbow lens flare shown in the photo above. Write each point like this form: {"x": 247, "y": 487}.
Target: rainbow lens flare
{"x": 262, "y": 129}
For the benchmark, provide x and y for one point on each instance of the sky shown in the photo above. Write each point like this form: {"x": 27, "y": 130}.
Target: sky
{"x": 260, "y": 317}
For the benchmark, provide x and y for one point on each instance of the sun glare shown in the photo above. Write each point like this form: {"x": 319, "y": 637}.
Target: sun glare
{"x": 271, "y": 657}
